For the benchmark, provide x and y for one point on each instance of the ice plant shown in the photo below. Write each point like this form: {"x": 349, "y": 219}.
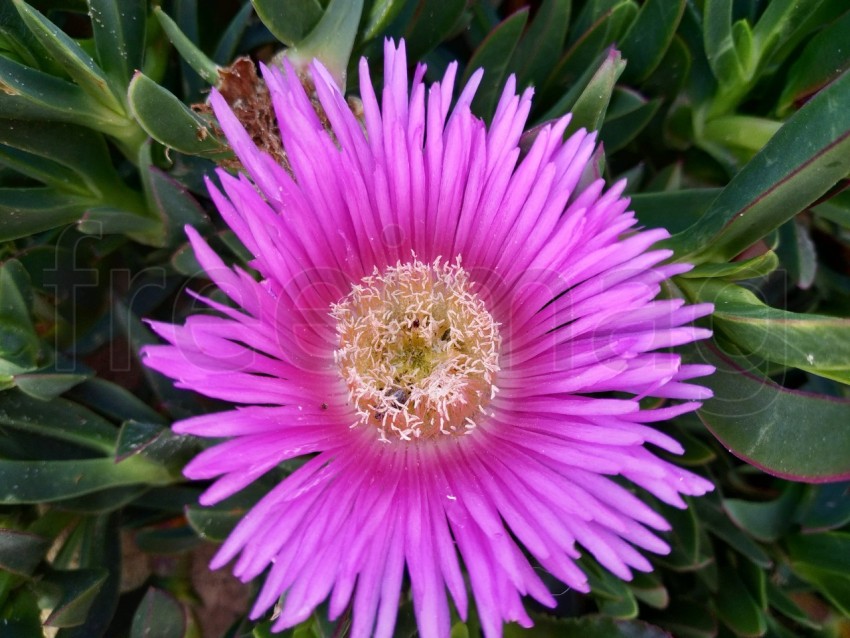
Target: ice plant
{"x": 455, "y": 334}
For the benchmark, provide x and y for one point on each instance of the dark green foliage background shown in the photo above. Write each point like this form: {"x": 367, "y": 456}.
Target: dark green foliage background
{"x": 731, "y": 122}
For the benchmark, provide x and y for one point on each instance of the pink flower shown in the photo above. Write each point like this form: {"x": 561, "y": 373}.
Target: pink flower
{"x": 455, "y": 335}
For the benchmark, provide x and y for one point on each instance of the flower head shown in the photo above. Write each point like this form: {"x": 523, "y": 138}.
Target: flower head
{"x": 455, "y": 334}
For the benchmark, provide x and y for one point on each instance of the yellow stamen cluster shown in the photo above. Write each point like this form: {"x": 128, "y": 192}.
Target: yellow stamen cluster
{"x": 418, "y": 350}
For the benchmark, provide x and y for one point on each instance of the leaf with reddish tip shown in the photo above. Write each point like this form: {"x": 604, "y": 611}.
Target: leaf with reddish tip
{"x": 801, "y": 162}
{"x": 788, "y": 433}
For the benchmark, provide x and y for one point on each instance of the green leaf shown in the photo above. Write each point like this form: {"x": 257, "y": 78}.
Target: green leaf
{"x": 588, "y": 99}
{"x": 824, "y": 58}
{"x": 626, "y": 116}
{"x": 49, "y": 481}
{"x": 589, "y": 626}
{"x": 76, "y": 62}
{"x": 58, "y": 419}
{"x": 715, "y": 520}
{"x": 331, "y": 40}
{"x": 541, "y": 43}
{"x": 736, "y": 270}
{"x": 787, "y": 433}
{"x": 673, "y": 210}
{"x": 645, "y": 43}
{"x": 819, "y": 344}
{"x": 797, "y": 253}
{"x": 77, "y": 591}
{"x": 826, "y": 508}
{"x": 782, "y": 603}
{"x": 51, "y": 173}
{"x": 31, "y": 210}
{"x": 48, "y": 385}
{"x": 99, "y": 549}
{"x": 82, "y": 151}
{"x": 780, "y": 19}
{"x": 381, "y": 14}
{"x": 585, "y": 51}
{"x": 160, "y": 615}
{"x": 106, "y": 220}
{"x": 228, "y": 43}
{"x": 688, "y": 619}
{"x": 169, "y": 121}
{"x": 808, "y": 155}
{"x": 21, "y": 616}
{"x": 720, "y": 43}
{"x": 650, "y": 590}
{"x": 21, "y": 552}
{"x": 119, "y": 37}
{"x": 829, "y": 551}
{"x": 174, "y": 204}
{"x": 290, "y": 22}
{"x": 32, "y": 94}
{"x": 493, "y": 55}
{"x": 824, "y": 561}
{"x": 430, "y": 23}
{"x": 189, "y": 51}
{"x": 765, "y": 521}
{"x": 736, "y": 607}
{"x": 20, "y": 348}
{"x": 114, "y": 401}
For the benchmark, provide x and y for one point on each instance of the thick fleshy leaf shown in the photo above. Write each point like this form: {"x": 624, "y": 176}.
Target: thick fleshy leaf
{"x": 808, "y": 155}
{"x": 797, "y": 252}
{"x": 114, "y": 401}
{"x": 712, "y": 517}
{"x": 20, "y": 551}
{"x": 228, "y": 43}
{"x": 827, "y": 507}
{"x": 673, "y": 210}
{"x": 33, "y": 94}
{"x": 541, "y": 43}
{"x": 290, "y": 22}
{"x": 20, "y": 347}
{"x": 626, "y": 116}
{"x": 48, "y": 385}
{"x": 331, "y": 40}
{"x": 119, "y": 36}
{"x": 643, "y": 46}
{"x": 765, "y": 521}
{"x": 380, "y": 15}
{"x": 787, "y": 433}
{"x": 189, "y": 51}
{"x": 493, "y": 55}
{"x": 57, "y": 419}
{"x": 588, "y": 99}
{"x": 169, "y": 121}
{"x": 159, "y": 614}
{"x": 175, "y": 206}
{"x": 824, "y": 561}
{"x": 48, "y": 481}
{"x": 429, "y": 22}
{"x": 736, "y": 270}
{"x": 77, "y": 590}
{"x": 736, "y": 608}
{"x": 73, "y": 58}
{"x": 27, "y": 211}
{"x": 720, "y": 46}
{"x": 589, "y": 626}
{"x": 823, "y": 59}
{"x": 83, "y": 152}
{"x": 819, "y": 344}
{"x": 585, "y": 46}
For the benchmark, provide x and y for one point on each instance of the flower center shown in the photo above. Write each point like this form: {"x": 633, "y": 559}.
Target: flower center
{"x": 418, "y": 350}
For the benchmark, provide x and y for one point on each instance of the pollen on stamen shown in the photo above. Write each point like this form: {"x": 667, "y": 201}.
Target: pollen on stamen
{"x": 418, "y": 350}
